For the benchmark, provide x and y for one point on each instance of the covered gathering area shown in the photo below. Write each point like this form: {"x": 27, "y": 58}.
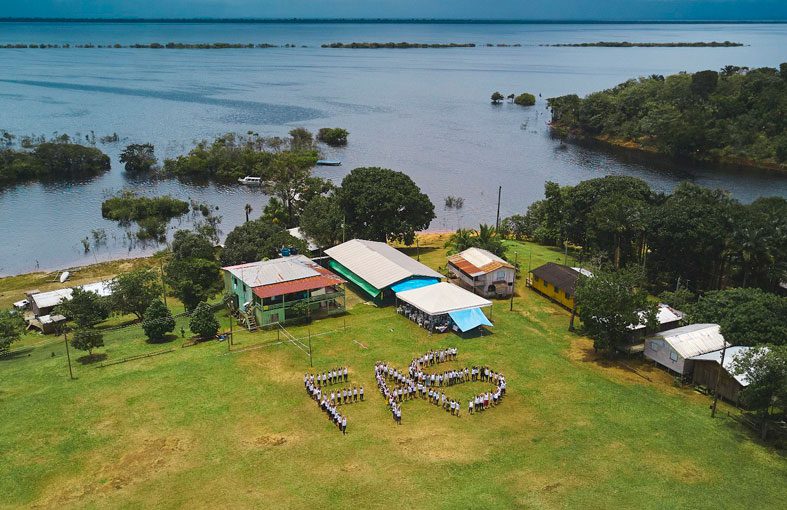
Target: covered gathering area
{"x": 443, "y": 307}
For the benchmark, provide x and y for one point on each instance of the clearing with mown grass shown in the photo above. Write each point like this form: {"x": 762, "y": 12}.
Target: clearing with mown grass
{"x": 204, "y": 427}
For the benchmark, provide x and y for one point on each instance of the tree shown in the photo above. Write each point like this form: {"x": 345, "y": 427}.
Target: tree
{"x": 688, "y": 236}
{"x": 488, "y": 239}
{"x": 747, "y": 316}
{"x": 704, "y": 82}
{"x": 158, "y": 321}
{"x": 87, "y": 339}
{"x": 461, "y": 240}
{"x": 85, "y": 308}
{"x": 247, "y": 209}
{"x": 609, "y": 303}
{"x": 525, "y": 99}
{"x": 188, "y": 245}
{"x": 133, "y": 292}
{"x": 334, "y": 137}
{"x": 11, "y": 327}
{"x": 381, "y": 204}
{"x": 257, "y": 240}
{"x": 322, "y": 220}
{"x": 289, "y": 174}
{"x": 138, "y": 158}
{"x": 765, "y": 368}
{"x": 497, "y": 98}
{"x": 302, "y": 139}
{"x": 192, "y": 279}
{"x": 203, "y": 322}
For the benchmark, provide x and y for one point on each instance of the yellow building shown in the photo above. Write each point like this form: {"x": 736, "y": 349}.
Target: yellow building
{"x": 557, "y": 282}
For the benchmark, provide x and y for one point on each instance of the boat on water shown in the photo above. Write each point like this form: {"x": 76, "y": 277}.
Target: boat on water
{"x": 64, "y": 276}
{"x": 328, "y": 162}
{"x": 251, "y": 181}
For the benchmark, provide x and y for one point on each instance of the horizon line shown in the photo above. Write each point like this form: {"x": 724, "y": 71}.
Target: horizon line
{"x": 522, "y": 21}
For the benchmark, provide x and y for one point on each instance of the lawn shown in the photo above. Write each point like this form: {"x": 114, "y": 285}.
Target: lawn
{"x": 204, "y": 427}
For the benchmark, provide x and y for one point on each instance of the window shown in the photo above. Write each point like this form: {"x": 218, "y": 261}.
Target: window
{"x": 568, "y": 296}
{"x": 234, "y": 283}
{"x": 501, "y": 275}
{"x": 654, "y": 345}
{"x": 673, "y": 356}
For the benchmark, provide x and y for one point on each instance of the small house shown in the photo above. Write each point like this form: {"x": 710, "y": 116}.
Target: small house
{"x": 668, "y": 318}
{"x": 42, "y": 303}
{"x": 274, "y": 291}
{"x": 557, "y": 282}
{"x": 708, "y": 370}
{"x": 675, "y": 348}
{"x": 378, "y": 269}
{"x": 482, "y": 272}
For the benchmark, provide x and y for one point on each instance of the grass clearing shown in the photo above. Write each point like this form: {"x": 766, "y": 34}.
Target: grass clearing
{"x": 201, "y": 427}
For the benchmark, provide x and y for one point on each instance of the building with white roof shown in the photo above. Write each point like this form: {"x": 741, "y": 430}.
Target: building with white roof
{"x": 376, "y": 267}
{"x": 42, "y": 303}
{"x": 444, "y": 305}
{"x": 708, "y": 370}
{"x": 674, "y": 348}
{"x": 482, "y": 272}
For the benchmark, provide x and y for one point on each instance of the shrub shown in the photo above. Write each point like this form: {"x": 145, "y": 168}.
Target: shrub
{"x": 334, "y": 137}
{"x": 203, "y": 322}
{"x": 525, "y": 99}
{"x": 158, "y": 321}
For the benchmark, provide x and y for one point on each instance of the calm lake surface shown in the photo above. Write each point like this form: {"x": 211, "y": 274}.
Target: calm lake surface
{"x": 422, "y": 111}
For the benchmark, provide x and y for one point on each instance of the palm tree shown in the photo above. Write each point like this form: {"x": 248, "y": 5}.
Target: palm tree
{"x": 488, "y": 240}
{"x": 461, "y": 240}
{"x": 248, "y": 210}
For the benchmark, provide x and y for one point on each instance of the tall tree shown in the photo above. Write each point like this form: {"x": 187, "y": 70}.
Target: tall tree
{"x": 203, "y": 321}
{"x": 257, "y": 240}
{"x": 132, "y": 292}
{"x": 288, "y": 177}
{"x": 11, "y": 327}
{"x": 322, "y": 220}
{"x": 85, "y": 308}
{"x": 765, "y": 368}
{"x": 609, "y": 303}
{"x": 381, "y": 204}
{"x": 87, "y": 339}
{"x": 747, "y": 316}
{"x": 158, "y": 321}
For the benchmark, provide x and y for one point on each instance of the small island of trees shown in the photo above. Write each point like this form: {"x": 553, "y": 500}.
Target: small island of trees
{"x": 51, "y": 160}
{"x": 734, "y": 116}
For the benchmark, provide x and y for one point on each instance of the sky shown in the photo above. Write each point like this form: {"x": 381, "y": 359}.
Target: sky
{"x": 476, "y": 9}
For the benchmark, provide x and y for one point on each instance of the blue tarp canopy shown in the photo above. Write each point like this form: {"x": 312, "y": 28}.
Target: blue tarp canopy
{"x": 469, "y": 319}
{"x": 413, "y": 283}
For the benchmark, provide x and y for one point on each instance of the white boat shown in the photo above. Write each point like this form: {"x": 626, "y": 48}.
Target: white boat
{"x": 328, "y": 162}
{"x": 251, "y": 181}
{"x": 64, "y": 276}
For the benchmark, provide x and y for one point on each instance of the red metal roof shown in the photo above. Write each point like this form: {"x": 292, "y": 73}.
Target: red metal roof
{"x": 472, "y": 270}
{"x": 326, "y": 279}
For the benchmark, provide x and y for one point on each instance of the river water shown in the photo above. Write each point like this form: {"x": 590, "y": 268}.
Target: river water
{"x": 422, "y": 111}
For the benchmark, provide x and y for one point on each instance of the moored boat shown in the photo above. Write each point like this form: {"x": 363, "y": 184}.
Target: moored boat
{"x": 328, "y": 162}
{"x": 250, "y": 181}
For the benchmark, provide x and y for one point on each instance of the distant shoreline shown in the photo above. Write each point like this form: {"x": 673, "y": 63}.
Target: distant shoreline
{"x": 426, "y": 21}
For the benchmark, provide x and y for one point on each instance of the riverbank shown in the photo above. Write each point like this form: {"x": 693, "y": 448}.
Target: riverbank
{"x": 633, "y": 146}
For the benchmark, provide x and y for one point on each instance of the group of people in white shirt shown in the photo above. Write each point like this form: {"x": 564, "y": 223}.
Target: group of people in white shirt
{"x": 327, "y": 405}
{"x": 332, "y": 376}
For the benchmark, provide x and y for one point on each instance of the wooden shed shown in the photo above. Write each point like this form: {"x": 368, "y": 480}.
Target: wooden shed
{"x": 675, "y": 348}
{"x": 482, "y": 273}
{"x": 708, "y": 369}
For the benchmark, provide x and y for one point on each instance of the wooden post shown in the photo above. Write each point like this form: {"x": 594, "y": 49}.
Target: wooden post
{"x": 718, "y": 381}
{"x": 310, "y": 348}
{"x": 513, "y": 286}
{"x": 497, "y": 221}
{"x": 229, "y": 340}
{"x": 68, "y": 353}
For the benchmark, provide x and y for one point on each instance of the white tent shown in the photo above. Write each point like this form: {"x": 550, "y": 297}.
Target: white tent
{"x": 442, "y": 298}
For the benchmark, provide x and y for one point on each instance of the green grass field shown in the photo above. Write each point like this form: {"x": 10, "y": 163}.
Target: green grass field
{"x": 203, "y": 427}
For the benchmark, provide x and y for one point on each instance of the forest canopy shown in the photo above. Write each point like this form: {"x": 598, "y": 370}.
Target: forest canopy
{"x": 737, "y": 115}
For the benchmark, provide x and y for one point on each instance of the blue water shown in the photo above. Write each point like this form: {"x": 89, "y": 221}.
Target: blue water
{"x": 423, "y": 111}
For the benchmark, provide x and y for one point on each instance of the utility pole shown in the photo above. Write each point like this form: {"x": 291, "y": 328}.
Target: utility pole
{"x": 718, "y": 381}
{"x": 68, "y": 353}
{"x": 417, "y": 249}
{"x": 229, "y": 340}
{"x": 513, "y": 286}
{"x": 497, "y": 221}
{"x": 163, "y": 285}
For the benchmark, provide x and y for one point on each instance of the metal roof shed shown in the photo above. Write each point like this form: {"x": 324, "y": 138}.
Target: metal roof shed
{"x": 442, "y": 298}
{"x": 673, "y": 348}
{"x": 378, "y": 264}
